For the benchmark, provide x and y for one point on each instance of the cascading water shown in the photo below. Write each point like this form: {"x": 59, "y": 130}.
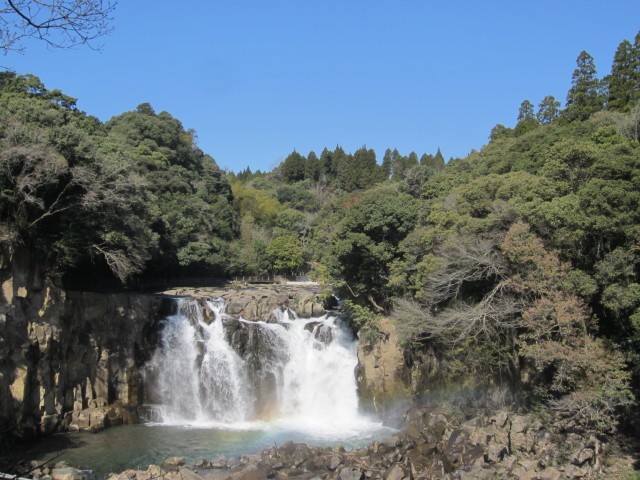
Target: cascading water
{"x": 198, "y": 376}
{"x": 294, "y": 374}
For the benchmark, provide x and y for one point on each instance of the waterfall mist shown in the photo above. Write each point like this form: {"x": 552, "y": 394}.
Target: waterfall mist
{"x": 295, "y": 374}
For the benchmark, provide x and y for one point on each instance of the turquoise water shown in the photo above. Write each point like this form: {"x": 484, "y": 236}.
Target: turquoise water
{"x": 136, "y": 446}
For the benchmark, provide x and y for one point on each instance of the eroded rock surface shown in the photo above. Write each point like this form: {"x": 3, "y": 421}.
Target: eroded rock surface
{"x": 259, "y": 302}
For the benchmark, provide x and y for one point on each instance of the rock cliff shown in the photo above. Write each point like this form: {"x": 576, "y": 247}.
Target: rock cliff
{"x": 63, "y": 352}
{"x": 72, "y": 360}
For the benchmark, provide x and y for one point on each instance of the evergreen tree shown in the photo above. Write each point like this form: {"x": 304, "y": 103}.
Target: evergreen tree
{"x": 397, "y": 165}
{"x": 366, "y": 163}
{"x": 426, "y": 159}
{"x": 412, "y": 160}
{"x": 526, "y": 119}
{"x": 526, "y": 111}
{"x": 326, "y": 166}
{"x": 438, "y": 160}
{"x": 312, "y": 168}
{"x": 293, "y": 167}
{"x": 340, "y": 166}
{"x": 548, "y": 110}
{"x": 623, "y": 80}
{"x": 358, "y": 171}
{"x": 584, "y": 97}
{"x": 244, "y": 174}
{"x": 385, "y": 169}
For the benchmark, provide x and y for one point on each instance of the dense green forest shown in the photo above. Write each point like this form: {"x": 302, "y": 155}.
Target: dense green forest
{"x": 518, "y": 264}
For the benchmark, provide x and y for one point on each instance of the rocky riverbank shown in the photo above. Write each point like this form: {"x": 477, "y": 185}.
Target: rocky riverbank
{"x": 433, "y": 445}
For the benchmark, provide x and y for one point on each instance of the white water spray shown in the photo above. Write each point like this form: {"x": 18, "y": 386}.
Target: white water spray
{"x": 199, "y": 377}
{"x": 297, "y": 374}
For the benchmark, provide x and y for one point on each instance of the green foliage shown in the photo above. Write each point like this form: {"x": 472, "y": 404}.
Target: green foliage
{"x": 364, "y": 320}
{"x": 526, "y": 111}
{"x": 365, "y": 241}
{"x": 293, "y": 167}
{"x": 298, "y": 195}
{"x": 585, "y": 95}
{"x": 359, "y": 171}
{"x": 285, "y": 254}
{"x": 548, "y": 110}
{"x": 624, "y": 81}
{"x": 133, "y": 196}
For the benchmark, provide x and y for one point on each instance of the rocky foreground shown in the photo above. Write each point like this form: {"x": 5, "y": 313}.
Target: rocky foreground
{"x": 431, "y": 446}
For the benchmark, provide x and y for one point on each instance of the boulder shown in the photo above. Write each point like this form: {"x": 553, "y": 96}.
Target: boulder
{"x": 349, "y": 473}
{"x": 173, "y": 462}
{"x": 251, "y": 472}
{"x": 187, "y": 474}
{"x": 69, "y": 473}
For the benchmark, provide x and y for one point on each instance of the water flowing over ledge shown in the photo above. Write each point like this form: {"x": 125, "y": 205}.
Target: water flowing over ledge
{"x": 297, "y": 375}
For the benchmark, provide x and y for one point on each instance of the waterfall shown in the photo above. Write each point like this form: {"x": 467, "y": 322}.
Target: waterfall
{"x": 198, "y": 376}
{"x": 211, "y": 369}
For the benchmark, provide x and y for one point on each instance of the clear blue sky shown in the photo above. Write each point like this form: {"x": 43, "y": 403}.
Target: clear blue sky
{"x": 257, "y": 79}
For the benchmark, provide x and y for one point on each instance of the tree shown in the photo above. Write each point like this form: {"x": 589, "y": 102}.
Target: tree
{"x": 433, "y": 163}
{"x": 62, "y": 200}
{"x": 327, "y": 170}
{"x": 526, "y": 111}
{"x": 285, "y": 254}
{"x": 58, "y": 23}
{"x": 500, "y": 131}
{"x": 366, "y": 241}
{"x": 526, "y": 119}
{"x": 385, "y": 168}
{"x": 624, "y": 81}
{"x": 548, "y": 110}
{"x": 358, "y": 171}
{"x": 293, "y": 167}
{"x": 312, "y": 167}
{"x": 584, "y": 97}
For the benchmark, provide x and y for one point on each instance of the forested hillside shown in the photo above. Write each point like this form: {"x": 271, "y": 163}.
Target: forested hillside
{"x": 518, "y": 264}
{"x": 133, "y": 196}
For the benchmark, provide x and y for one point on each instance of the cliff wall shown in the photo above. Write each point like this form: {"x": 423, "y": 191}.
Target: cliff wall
{"x": 71, "y": 359}
{"x": 65, "y": 352}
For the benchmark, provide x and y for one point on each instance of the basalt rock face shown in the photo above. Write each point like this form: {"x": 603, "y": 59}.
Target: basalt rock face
{"x": 67, "y": 351}
{"x": 386, "y": 383}
{"x": 391, "y": 379}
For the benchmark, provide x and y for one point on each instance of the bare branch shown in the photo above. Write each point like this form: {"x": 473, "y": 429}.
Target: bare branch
{"x": 497, "y": 312}
{"x": 59, "y": 23}
{"x": 463, "y": 261}
{"x": 122, "y": 264}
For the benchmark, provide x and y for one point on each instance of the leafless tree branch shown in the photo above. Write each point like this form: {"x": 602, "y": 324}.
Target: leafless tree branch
{"x": 59, "y": 23}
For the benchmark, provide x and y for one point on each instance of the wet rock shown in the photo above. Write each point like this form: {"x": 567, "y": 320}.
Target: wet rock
{"x": 173, "y": 462}
{"x": 98, "y": 418}
{"x": 69, "y": 473}
{"x": 220, "y": 462}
